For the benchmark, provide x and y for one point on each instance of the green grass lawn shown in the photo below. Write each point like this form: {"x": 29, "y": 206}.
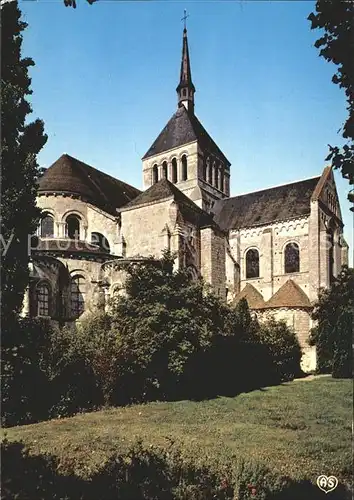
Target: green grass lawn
{"x": 301, "y": 429}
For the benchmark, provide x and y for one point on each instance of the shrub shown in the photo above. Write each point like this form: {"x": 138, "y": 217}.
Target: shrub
{"x": 165, "y": 321}
{"x": 24, "y": 381}
{"x": 333, "y": 334}
{"x": 283, "y": 348}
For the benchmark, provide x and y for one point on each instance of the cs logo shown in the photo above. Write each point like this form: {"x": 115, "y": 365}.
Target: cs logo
{"x": 327, "y": 484}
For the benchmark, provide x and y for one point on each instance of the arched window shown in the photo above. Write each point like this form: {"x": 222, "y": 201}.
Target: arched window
{"x": 164, "y": 170}
{"x": 101, "y": 241}
{"x": 155, "y": 174}
{"x": 72, "y": 227}
{"x": 222, "y": 181}
{"x": 210, "y": 171}
{"x": 47, "y": 226}
{"x": 216, "y": 175}
{"x": 43, "y": 299}
{"x": 292, "y": 258}
{"x": 184, "y": 168}
{"x": 205, "y": 170}
{"x": 252, "y": 263}
{"x": 174, "y": 170}
{"x": 78, "y": 291}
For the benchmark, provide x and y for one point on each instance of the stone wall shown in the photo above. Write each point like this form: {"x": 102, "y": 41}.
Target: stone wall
{"x": 212, "y": 247}
{"x": 92, "y": 218}
{"x": 149, "y": 229}
{"x": 270, "y": 241}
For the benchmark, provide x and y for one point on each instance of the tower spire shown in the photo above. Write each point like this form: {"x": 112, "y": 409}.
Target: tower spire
{"x": 185, "y": 89}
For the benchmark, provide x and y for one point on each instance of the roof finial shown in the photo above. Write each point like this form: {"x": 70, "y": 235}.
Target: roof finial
{"x": 184, "y": 19}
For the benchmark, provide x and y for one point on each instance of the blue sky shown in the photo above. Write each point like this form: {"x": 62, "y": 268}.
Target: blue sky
{"x": 105, "y": 78}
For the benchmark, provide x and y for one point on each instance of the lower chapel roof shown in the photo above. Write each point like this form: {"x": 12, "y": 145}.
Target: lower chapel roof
{"x": 290, "y": 294}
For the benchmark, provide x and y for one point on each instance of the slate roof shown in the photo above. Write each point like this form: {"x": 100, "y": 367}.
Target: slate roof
{"x": 71, "y": 176}
{"x": 164, "y": 189}
{"x": 289, "y": 295}
{"x": 182, "y": 128}
{"x": 252, "y": 295}
{"x": 266, "y": 206}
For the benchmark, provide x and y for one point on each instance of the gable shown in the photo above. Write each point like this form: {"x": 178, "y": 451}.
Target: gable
{"x": 163, "y": 190}
{"x": 326, "y": 194}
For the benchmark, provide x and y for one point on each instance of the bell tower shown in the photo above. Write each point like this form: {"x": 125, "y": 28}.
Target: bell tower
{"x": 183, "y": 152}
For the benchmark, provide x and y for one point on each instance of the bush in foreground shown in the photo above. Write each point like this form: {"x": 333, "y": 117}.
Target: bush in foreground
{"x": 151, "y": 474}
{"x": 169, "y": 338}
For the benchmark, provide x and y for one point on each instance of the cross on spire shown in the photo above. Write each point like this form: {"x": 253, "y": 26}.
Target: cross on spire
{"x": 184, "y": 19}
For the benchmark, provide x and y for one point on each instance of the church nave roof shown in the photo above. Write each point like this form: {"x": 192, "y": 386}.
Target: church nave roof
{"x": 265, "y": 206}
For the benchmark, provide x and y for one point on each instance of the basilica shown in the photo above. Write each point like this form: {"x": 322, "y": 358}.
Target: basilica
{"x": 276, "y": 247}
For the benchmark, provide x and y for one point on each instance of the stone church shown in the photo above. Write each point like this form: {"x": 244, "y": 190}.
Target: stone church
{"x": 276, "y": 247}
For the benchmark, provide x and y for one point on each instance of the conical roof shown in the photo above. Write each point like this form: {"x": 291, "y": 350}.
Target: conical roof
{"x": 289, "y": 295}
{"x": 252, "y": 295}
{"x": 69, "y": 175}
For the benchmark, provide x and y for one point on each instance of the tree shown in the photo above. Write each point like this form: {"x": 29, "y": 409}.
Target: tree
{"x": 20, "y": 144}
{"x": 166, "y": 320}
{"x": 72, "y": 3}
{"x": 336, "y": 45}
{"x": 333, "y": 335}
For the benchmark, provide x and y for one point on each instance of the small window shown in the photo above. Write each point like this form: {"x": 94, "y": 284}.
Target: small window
{"x": 292, "y": 258}
{"x": 73, "y": 227}
{"x": 101, "y": 241}
{"x": 43, "y": 294}
{"x": 155, "y": 174}
{"x": 184, "y": 168}
{"x": 78, "y": 291}
{"x": 174, "y": 170}
{"x": 184, "y": 92}
{"x": 252, "y": 263}
{"x": 164, "y": 170}
{"x": 47, "y": 226}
